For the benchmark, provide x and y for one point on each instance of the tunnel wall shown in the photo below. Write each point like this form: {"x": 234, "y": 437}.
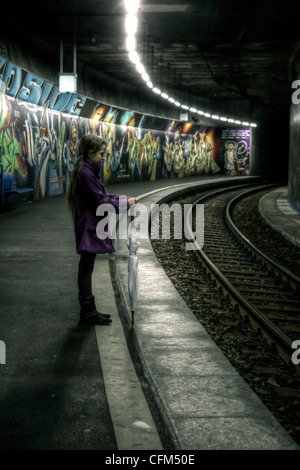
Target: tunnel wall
{"x": 270, "y": 144}
{"x": 40, "y": 129}
{"x": 294, "y": 157}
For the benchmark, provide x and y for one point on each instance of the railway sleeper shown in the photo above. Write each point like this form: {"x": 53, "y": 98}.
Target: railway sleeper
{"x": 278, "y": 308}
{"x": 226, "y": 271}
{"x": 228, "y": 262}
{"x": 267, "y": 296}
{"x": 263, "y": 262}
{"x": 249, "y": 290}
{"x": 259, "y": 282}
{"x": 293, "y": 328}
{"x": 274, "y": 316}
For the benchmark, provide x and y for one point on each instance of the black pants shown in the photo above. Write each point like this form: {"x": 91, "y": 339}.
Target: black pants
{"x": 85, "y": 271}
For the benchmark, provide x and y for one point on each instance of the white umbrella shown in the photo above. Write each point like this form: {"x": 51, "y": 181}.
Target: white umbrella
{"x": 133, "y": 272}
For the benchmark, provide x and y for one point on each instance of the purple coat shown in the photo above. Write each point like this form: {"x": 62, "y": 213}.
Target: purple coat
{"x": 93, "y": 193}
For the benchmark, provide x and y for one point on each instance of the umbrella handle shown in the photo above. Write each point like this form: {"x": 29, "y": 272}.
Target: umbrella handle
{"x": 132, "y": 211}
{"x": 132, "y": 215}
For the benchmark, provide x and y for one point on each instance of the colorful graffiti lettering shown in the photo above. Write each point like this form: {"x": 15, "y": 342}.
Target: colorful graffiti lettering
{"x": 11, "y": 139}
{"x": 39, "y": 144}
{"x": 35, "y": 90}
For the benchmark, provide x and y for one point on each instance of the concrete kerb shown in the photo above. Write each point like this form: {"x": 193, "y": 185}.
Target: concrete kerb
{"x": 272, "y": 214}
{"x": 168, "y": 434}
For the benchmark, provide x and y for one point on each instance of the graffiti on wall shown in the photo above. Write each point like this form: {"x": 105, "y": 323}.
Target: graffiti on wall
{"x": 236, "y": 158}
{"x": 39, "y": 138}
{"x": 32, "y": 89}
{"x": 39, "y": 148}
{"x": 138, "y": 154}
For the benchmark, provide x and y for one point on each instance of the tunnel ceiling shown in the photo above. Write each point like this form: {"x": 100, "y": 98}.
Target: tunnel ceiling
{"x": 222, "y": 50}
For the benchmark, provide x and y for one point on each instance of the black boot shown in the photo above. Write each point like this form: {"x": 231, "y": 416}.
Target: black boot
{"x": 89, "y": 314}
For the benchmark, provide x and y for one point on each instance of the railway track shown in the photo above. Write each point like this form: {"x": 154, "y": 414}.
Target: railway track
{"x": 265, "y": 291}
{"x": 275, "y": 380}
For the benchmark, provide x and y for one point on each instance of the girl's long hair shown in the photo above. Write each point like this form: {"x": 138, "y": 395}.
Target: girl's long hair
{"x": 88, "y": 145}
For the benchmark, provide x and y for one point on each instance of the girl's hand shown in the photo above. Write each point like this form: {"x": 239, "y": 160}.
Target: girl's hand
{"x": 132, "y": 201}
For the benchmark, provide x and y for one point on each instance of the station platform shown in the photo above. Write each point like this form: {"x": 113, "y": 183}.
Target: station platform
{"x": 65, "y": 386}
{"x": 278, "y": 213}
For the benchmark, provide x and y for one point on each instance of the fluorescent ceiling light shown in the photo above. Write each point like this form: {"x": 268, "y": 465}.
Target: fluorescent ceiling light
{"x": 131, "y": 24}
{"x": 145, "y": 77}
{"x": 140, "y": 68}
{"x": 134, "y": 57}
{"x": 67, "y": 83}
{"x": 130, "y": 43}
{"x": 156, "y": 90}
{"x": 132, "y": 6}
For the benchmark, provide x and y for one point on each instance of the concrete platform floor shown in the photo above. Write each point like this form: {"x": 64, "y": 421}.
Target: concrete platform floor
{"x": 65, "y": 386}
{"x": 278, "y": 213}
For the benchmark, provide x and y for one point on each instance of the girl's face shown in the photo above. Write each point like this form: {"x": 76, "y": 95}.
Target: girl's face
{"x": 99, "y": 156}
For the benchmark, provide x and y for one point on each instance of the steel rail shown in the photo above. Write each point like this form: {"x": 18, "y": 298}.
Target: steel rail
{"x": 282, "y": 271}
{"x": 273, "y": 332}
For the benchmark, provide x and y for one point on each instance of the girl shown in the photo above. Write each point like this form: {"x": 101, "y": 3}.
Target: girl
{"x": 85, "y": 194}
